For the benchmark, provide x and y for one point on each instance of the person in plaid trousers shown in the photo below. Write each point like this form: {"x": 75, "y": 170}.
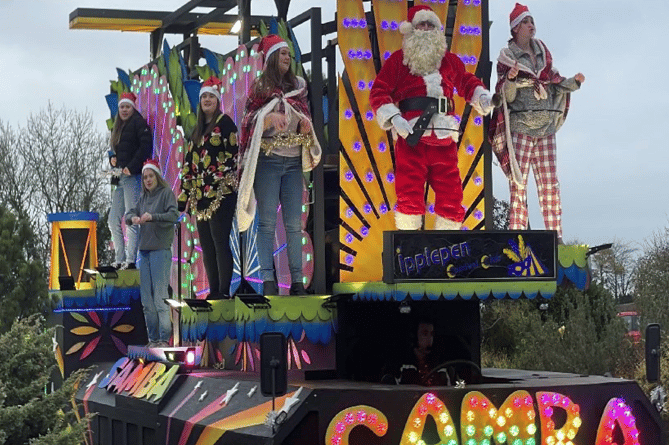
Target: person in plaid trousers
{"x": 522, "y": 132}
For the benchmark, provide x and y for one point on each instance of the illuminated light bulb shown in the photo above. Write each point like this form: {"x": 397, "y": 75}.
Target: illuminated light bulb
{"x": 382, "y": 147}
{"x": 367, "y": 208}
{"x": 348, "y": 113}
{"x": 448, "y": 430}
{"x": 385, "y": 25}
{"x": 413, "y": 437}
{"x": 517, "y": 442}
{"x": 443, "y": 417}
{"x": 357, "y": 146}
{"x": 386, "y": 55}
{"x": 531, "y": 415}
{"x": 394, "y": 25}
{"x": 349, "y": 176}
{"x": 473, "y": 402}
{"x": 560, "y": 435}
{"x": 576, "y": 422}
{"x": 488, "y": 430}
{"x": 361, "y": 85}
{"x": 471, "y": 442}
{"x": 348, "y": 418}
{"x": 361, "y": 416}
{"x": 369, "y": 176}
{"x": 349, "y": 212}
{"x": 369, "y": 115}
{"x": 548, "y": 412}
{"x": 390, "y": 177}
{"x": 348, "y": 238}
{"x": 478, "y": 120}
{"x": 371, "y": 419}
{"x": 514, "y": 430}
{"x": 304, "y": 241}
{"x": 308, "y": 257}
{"x": 501, "y": 421}
{"x": 340, "y": 427}
{"x": 550, "y": 440}
{"x": 470, "y": 151}
{"x": 364, "y": 231}
{"x": 470, "y": 430}
{"x": 417, "y": 422}
{"x": 470, "y": 416}
{"x": 531, "y": 429}
{"x": 479, "y": 215}
{"x": 349, "y": 258}
{"x": 501, "y": 438}
{"x": 382, "y": 428}
{"x": 492, "y": 413}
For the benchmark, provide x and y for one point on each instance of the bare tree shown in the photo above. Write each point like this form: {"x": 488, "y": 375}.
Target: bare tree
{"x": 54, "y": 164}
{"x": 614, "y": 269}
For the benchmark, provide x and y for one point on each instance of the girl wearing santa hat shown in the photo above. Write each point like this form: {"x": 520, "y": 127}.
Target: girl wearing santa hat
{"x": 277, "y": 145}
{"x": 522, "y": 133}
{"x": 209, "y": 185}
{"x": 155, "y": 215}
{"x": 131, "y": 145}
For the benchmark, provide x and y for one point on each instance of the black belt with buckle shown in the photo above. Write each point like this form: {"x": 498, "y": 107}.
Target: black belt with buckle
{"x": 429, "y": 106}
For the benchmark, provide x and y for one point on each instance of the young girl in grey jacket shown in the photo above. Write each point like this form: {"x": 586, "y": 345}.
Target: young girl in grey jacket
{"x": 156, "y": 213}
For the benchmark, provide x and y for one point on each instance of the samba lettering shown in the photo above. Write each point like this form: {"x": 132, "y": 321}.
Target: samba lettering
{"x": 515, "y": 421}
{"x": 139, "y": 380}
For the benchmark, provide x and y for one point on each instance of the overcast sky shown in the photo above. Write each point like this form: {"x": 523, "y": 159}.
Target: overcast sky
{"x": 612, "y": 159}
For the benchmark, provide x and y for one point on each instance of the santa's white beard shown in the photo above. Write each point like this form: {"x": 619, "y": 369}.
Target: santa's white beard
{"x": 423, "y": 51}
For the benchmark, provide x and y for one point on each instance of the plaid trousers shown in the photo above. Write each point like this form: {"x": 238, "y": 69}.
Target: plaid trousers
{"x": 540, "y": 154}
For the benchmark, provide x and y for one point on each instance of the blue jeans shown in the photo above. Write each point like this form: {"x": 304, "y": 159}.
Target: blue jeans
{"x": 154, "y": 275}
{"x": 279, "y": 179}
{"x": 124, "y": 198}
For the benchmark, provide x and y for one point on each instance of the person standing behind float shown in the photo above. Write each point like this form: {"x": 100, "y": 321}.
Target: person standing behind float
{"x": 535, "y": 105}
{"x": 155, "y": 216}
{"x": 209, "y": 186}
{"x": 131, "y": 145}
{"x": 277, "y": 144}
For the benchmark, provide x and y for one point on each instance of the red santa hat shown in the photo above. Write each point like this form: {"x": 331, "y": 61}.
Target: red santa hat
{"x": 518, "y": 14}
{"x": 270, "y": 44}
{"x": 152, "y": 164}
{"x": 212, "y": 85}
{"x": 417, "y": 14}
{"x": 128, "y": 98}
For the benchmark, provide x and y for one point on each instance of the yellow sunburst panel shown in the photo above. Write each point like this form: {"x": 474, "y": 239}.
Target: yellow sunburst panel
{"x": 467, "y": 36}
{"x": 356, "y": 49}
{"x": 354, "y": 147}
{"x": 388, "y": 15}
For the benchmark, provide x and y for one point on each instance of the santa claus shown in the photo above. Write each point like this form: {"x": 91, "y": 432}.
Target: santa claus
{"x": 413, "y": 96}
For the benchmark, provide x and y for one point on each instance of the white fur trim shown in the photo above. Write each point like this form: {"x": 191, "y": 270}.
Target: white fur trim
{"x": 408, "y": 222}
{"x": 425, "y": 15}
{"x": 405, "y": 27}
{"x": 443, "y": 126}
{"x": 277, "y": 46}
{"x": 384, "y": 113}
{"x": 519, "y": 19}
{"x": 211, "y": 90}
{"x": 152, "y": 167}
{"x": 476, "y": 100}
{"x": 246, "y": 202}
{"x": 433, "y": 85}
{"x": 127, "y": 101}
{"x": 442, "y": 223}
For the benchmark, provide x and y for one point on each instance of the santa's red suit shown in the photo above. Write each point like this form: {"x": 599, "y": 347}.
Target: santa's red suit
{"x": 434, "y": 157}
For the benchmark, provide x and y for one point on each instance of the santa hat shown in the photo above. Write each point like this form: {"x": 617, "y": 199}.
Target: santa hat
{"x": 153, "y": 165}
{"x": 518, "y": 14}
{"x": 128, "y": 98}
{"x": 212, "y": 85}
{"x": 417, "y": 14}
{"x": 271, "y": 43}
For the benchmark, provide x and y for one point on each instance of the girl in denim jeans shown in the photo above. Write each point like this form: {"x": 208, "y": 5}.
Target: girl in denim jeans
{"x": 277, "y": 145}
{"x": 155, "y": 215}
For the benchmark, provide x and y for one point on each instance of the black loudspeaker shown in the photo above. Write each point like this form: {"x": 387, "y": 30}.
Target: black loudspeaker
{"x": 273, "y": 364}
{"x": 653, "y": 352}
